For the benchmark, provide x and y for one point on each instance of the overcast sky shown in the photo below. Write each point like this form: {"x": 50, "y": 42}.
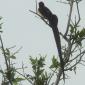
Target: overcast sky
{"x": 23, "y": 29}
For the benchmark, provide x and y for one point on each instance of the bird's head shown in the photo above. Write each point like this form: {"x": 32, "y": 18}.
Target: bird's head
{"x": 41, "y": 4}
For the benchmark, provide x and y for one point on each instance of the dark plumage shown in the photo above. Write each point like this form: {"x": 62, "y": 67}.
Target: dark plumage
{"x": 44, "y": 11}
{"x": 53, "y": 23}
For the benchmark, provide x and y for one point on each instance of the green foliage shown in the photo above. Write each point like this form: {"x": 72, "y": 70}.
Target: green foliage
{"x": 17, "y": 80}
{"x": 40, "y": 76}
{"x": 55, "y": 63}
{"x": 10, "y": 72}
{"x": 9, "y": 54}
{"x": 76, "y": 35}
{"x": 8, "y": 75}
{"x": 82, "y": 33}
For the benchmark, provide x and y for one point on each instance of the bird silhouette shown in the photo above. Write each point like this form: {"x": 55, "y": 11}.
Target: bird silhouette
{"x": 53, "y": 22}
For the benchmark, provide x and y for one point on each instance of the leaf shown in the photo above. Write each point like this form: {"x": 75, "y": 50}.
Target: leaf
{"x": 1, "y": 17}
{"x": 82, "y": 33}
{"x": 12, "y": 57}
{"x": 41, "y": 62}
{"x": 55, "y": 63}
{"x": 1, "y": 71}
{"x": 40, "y": 72}
{"x": 74, "y": 69}
{"x": 72, "y": 29}
{"x": 19, "y": 79}
{"x": 7, "y": 52}
{"x": 33, "y": 61}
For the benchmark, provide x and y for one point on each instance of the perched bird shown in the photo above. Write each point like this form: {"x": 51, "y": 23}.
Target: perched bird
{"x": 53, "y": 22}
{"x": 44, "y": 11}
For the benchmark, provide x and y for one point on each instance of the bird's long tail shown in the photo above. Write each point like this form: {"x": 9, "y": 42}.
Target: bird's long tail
{"x": 58, "y": 44}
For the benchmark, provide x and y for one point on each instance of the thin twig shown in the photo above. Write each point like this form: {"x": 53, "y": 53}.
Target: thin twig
{"x": 78, "y": 12}
{"x": 12, "y": 47}
{"x": 40, "y": 17}
{"x": 51, "y": 76}
{"x": 64, "y": 37}
{"x": 62, "y": 2}
{"x": 17, "y": 51}
{"x": 77, "y": 56}
{"x": 58, "y": 76}
{"x": 3, "y": 50}
{"x": 7, "y": 65}
{"x": 24, "y": 77}
{"x": 69, "y": 18}
{"x": 36, "y": 5}
{"x": 82, "y": 64}
{"x": 75, "y": 63}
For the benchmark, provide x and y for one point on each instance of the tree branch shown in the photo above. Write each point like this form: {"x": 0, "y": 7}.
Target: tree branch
{"x": 69, "y": 18}
{"x": 58, "y": 76}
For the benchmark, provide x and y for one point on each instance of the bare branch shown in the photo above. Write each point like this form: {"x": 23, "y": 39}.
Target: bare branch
{"x": 62, "y": 2}
{"x": 36, "y": 5}
{"x": 82, "y": 64}
{"x": 24, "y": 77}
{"x": 83, "y": 61}
{"x": 40, "y": 17}
{"x": 6, "y": 61}
{"x": 17, "y": 51}
{"x": 74, "y": 50}
{"x": 3, "y": 50}
{"x": 58, "y": 77}
{"x": 69, "y": 17}
{"x": 64, "y": 37}
{"x": 82, "y": 53}
{"x": 78, "y": 12}
{"x": 78, "y": 61}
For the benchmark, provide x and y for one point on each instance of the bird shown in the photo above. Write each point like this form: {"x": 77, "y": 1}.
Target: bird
{"x": 44, "y": 11}
{"x": 53, "y": 22}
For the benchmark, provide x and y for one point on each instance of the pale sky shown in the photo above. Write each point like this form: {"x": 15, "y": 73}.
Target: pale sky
{"x": 22, "y": 28}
